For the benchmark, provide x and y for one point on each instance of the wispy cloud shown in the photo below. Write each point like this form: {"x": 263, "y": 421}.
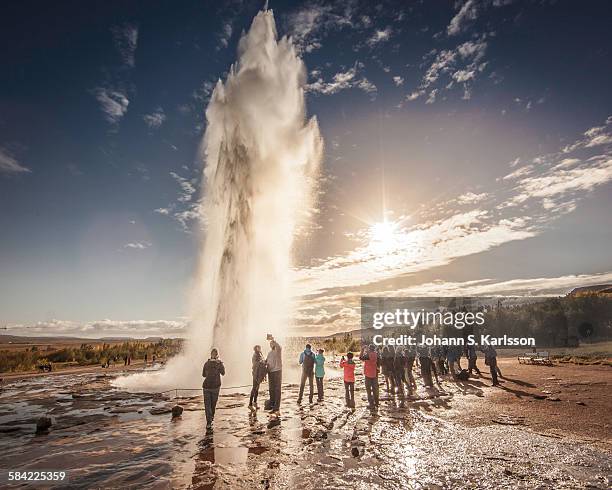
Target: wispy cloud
{"x": 113, "y": 103}
{"x": 379, "y": 36}
{"x": 9, "y": 164}
{"x": 155, "y": 119}
{"x": 343, "y": 80}
{"x": 137, "y": 245}
{"x": 102, "y": 328}
{"x": 125, "y": 37}
{"x": 460, "y": 65}
{"x": 310, "y": 24}
{"x": 185, "y": 210}
{"x": 468, "y": 12}
{"x": 225, "y": 35}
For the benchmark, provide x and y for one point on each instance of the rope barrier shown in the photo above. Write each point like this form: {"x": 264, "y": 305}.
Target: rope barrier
{"x": 176, "y": 390}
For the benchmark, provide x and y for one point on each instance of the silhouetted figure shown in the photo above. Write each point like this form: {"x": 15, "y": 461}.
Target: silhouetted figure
{"x": 274, "y": 361}
{"x": 427, "y": 367}
{"x": 388, "y": 354}
{"x": 259, "y": 372}
{"x": 410, "y": 356}
{"x": 307, "y": 360}
{"x": 491, "y": 361}
{"x": 399, "y": 363}
{"x": 472, "y": 357}
{"x": 212, "y": 371}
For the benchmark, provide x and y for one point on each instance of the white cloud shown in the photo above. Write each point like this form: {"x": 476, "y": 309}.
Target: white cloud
{"x": 226, "y": 35}
{"x": 187, "y": 187}
{"x": 397, "y": 80}
{"x": 460, "y": 65}
{"x": 9, "y": 164}
{"x": 114, "y": 103}
{"x": 595, "y": 136}
{"x": 379, "y": 36}
{"x": 125, "y": 37}
{"x": 414, "y": 249}
{"x": 470, "y": 197}
{"x": 103, "y": 328}
{"x": 137, "y": 245}
{"x": 155, "y": 119}
{"x": 342, "y": 81}
{"x": 185, "y": 211}
{"x": 467, "y": 13}
{"x": 310, "y": 24}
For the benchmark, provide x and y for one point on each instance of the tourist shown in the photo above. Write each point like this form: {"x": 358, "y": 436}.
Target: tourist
{"x": 452, "y": 359}
{"x": 319, "y": 373}
{"x": 274, "y": 362}
{"x": 212, "y": 371}
{"x": 440, "y": 357}
{"x": 410, "y": 356}
{"x": 307, "y": 360}
{"x": 399, "y": 363}
{"x": 146, "y": 357}
{"x": 349, "y": 379}
{"x": 471, "y": 357}
{"x": 491, "y": 361}
{"x": 370, "y": 373}
{"x": 388, "y": 354}
{"x": 259, "y": 373}
{"x": 427, "y": 367}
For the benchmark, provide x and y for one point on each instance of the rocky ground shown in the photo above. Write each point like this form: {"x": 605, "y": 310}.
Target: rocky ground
{"x": 546, "y": 427}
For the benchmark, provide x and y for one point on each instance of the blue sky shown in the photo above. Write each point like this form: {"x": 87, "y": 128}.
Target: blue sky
{"x": 478, "y": 131}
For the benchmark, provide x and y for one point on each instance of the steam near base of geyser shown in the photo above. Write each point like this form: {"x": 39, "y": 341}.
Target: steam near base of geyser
{"x": 261, "y": 163}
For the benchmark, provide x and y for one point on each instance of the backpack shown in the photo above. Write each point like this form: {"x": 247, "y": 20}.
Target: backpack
{"x": 463, "y": 375}
{"x": 309, "y": 362}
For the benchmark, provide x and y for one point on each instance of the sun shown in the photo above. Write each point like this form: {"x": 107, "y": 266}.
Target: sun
{"x": 383, "y": 231}
{"x": 383, "y": 236}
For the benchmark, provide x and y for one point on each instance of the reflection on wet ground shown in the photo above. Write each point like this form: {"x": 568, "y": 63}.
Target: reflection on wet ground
{"x": 107, "y": 438}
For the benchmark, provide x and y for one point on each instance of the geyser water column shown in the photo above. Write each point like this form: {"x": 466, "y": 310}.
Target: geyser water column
{"x": 261, "y": 161}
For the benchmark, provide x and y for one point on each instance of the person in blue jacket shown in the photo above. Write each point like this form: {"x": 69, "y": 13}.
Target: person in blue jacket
{"x": 319, "y": 373}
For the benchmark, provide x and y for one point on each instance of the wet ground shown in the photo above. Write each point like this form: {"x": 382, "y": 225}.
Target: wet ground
{"x": 462, "y": 435}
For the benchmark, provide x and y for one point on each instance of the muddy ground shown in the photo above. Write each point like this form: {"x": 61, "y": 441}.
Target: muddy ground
{"x": 545, "y": 427}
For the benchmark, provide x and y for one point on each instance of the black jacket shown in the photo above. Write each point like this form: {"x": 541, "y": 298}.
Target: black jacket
{"x": 212, "y": 371}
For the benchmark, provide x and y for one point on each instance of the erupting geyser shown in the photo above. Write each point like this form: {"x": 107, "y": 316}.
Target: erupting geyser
{"x": 261, "y": 161}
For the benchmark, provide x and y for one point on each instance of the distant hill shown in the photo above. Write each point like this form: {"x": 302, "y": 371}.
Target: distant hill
{"x": 604, "y": 289}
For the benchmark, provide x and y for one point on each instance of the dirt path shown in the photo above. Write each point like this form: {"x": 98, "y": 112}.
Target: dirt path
{"x": 559, "y": 399}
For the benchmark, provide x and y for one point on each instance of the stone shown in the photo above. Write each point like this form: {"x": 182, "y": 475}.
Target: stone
{"x": 177, "y": 411}
{"x": 43, "y": 424}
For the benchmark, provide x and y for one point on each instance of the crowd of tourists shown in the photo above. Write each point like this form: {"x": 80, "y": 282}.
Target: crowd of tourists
{"x": 397, "y": 367}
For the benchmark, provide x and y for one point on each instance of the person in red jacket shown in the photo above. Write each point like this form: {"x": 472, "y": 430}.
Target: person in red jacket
{"x": 370, "y": 371}
{"x": 349, "y": 379}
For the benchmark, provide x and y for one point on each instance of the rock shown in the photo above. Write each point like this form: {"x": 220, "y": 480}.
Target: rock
{"x": 177, "y": 411}
{"x": 553, "y": 399}
{"x": 43, "y": 424}
{"x": 160, "y": 410}
{"x": 581, "y": 403}
{"x": 355, "y": 451}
